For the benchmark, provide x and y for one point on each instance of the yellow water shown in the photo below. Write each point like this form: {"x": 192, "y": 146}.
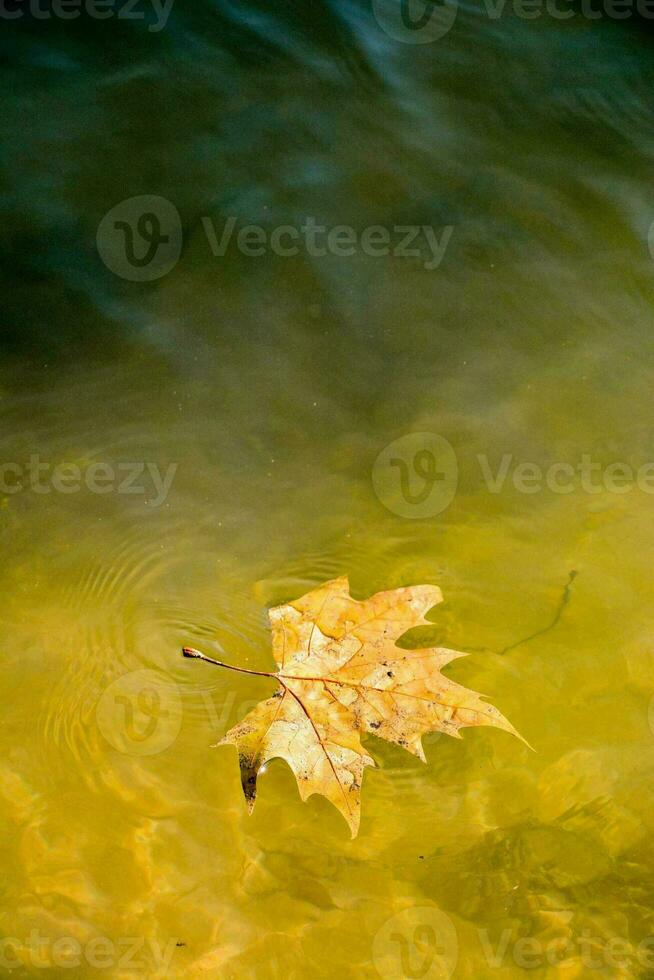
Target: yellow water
{"x": 273, "y": 385}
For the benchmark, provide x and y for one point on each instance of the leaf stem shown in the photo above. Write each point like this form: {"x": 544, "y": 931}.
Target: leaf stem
{"x": 196, "y": 655}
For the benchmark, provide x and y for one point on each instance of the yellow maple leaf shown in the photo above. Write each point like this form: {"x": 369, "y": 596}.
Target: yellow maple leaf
{"x": 340, "y": 675}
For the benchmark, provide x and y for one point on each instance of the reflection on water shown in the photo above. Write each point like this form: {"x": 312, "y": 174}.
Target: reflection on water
{"x": 272, "y": 384}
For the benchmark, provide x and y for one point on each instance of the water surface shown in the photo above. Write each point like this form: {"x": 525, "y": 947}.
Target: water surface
{"x": 272, "y": 384}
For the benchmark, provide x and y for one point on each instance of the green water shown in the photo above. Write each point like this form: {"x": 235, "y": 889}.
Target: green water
{"x": 271, "y": 385}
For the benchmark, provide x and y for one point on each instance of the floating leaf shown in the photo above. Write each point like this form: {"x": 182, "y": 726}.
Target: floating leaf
{"x": 341, "y": 674}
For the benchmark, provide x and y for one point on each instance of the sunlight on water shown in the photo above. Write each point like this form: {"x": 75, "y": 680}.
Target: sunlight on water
{"x": 229, "y": 426}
